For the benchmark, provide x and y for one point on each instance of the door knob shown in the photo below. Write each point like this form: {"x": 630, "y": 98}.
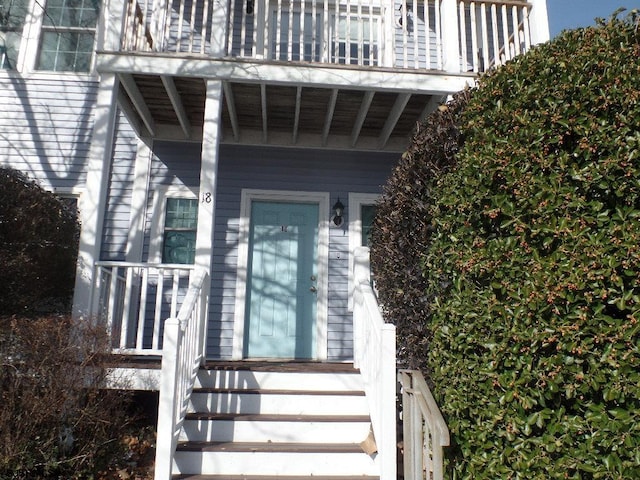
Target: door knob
{"x": 313, "y": 289}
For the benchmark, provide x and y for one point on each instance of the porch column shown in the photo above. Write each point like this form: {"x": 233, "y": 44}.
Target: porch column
{"x": 94, "y": 197}
{"x": 139, "y": 196}
{"x": 208, "y": 190}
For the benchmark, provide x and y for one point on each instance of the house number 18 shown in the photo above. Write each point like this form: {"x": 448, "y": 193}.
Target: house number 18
{"x": 206, "y": 197}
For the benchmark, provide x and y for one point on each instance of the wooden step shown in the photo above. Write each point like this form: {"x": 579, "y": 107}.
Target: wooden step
{"x": 281, "y": 366}
{"x": 289, "y": 447}
{"x": 273, "y": 459}
{"x": 213, "y": 427}
{"x": 268, "y": 477}
{"x": 274, "y": 380}
{"x": 279, "y": 402}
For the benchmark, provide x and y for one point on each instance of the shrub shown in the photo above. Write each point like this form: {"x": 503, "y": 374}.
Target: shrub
{"x": 56, "y": 420}
{"x": 531, "y": 265}
{"x": 404, "y": 226}
{"x": 38, "y": 247}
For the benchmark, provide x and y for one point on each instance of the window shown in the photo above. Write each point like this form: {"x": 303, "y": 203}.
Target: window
{"x": 174, "y": 222}
{"x": 68, "y": 35}
{"x": 367, "y": 214}
{"x": 179, "y": 236}
{"x": 354, "y": 40}
{"x": 12, "y": 16}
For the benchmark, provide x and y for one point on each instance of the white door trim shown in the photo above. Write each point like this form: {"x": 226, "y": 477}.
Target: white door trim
{"x": 356, "y": 201}
{"x": 322, "y": 200}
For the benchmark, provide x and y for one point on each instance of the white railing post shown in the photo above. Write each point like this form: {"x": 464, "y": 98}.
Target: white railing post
{"x": 219, "y": 25}
{"x": 387, "y": 442}
{"x": 112, "y": 24}
{"x": 388, "y": 42}
{"x": 165, "y": 443}
{"x": 450, "y": 36}
{"x": 539, "y": 22}
{"x": 181, "y": 359}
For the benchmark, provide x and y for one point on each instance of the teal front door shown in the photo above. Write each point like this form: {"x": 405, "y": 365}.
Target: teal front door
{"x": 282, "y": 280}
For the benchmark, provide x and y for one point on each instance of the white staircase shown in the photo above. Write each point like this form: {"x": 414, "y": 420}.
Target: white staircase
{"x": 257, "y": 421}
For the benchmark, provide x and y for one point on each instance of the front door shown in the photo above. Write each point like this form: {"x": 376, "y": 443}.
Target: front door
{"x": 282, "y": 280}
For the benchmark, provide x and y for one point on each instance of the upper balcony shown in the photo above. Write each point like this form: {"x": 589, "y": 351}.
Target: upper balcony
{"x": 413, "y": 51}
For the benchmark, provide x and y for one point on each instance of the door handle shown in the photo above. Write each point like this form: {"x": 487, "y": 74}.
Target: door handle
{"x": 313, "y": 289}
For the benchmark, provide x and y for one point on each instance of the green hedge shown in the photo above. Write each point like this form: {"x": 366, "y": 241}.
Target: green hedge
{"x": 531, "y": 265}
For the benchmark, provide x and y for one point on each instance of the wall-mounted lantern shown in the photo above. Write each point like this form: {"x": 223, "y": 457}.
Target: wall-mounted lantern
{"x": 338, "y": 212}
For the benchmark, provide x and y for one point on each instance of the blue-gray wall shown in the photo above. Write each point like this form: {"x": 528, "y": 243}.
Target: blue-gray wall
{"x": 337, "y": 172}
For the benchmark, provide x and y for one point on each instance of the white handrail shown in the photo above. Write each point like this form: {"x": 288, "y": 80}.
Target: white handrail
{"x": 181, "y": 359}
{"x": 375, "y": 356}
{"x": 424, "y": 429}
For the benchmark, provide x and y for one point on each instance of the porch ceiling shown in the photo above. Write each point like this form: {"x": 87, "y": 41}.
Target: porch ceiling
{"x": 172, "y": 108}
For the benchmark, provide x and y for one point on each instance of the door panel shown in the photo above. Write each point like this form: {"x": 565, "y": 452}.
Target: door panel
{"x": 281, "y": 296}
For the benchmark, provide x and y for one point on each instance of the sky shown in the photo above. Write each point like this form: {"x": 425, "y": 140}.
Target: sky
{"x": 568, "y": 14}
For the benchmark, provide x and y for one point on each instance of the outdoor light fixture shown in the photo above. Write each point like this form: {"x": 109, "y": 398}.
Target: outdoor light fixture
{"x": 249, "y": 7}
{"x": 338, "y": 211}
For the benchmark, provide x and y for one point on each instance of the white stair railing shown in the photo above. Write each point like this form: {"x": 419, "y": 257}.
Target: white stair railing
{"x": 183, "y": 353}
{"x": 375, "y": 356}
{"x": 424, "y": 430}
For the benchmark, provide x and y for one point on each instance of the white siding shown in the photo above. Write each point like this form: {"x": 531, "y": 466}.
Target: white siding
{"x": 46, "y": 126}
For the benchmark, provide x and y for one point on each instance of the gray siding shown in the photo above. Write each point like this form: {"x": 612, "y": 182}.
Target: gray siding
{"x": 275, "y": 169}
{"x": 46, "y": 127}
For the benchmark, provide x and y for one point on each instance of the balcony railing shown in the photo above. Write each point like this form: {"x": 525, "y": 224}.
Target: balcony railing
{"x": 134, "y": 299}
{"x": 445, "y": 35}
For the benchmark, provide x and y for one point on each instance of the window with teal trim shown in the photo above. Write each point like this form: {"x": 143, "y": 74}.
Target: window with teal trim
{"x": 179, "y": 236}
{"x": 367, "y": 214}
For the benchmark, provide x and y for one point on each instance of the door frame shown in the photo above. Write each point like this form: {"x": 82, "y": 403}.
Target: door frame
{"x": 316, "y": 198}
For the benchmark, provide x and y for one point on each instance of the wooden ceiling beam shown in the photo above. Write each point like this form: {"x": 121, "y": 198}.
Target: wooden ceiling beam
{"x": 127, "y": 108}
{"x": 263, "y": 102}
{"x": 331, "y": 107}
{"x": 138, "y": 101}
{"x": 231, "y": 108}
{"x": 431, "y": 105}
{"x": 296, "y": 115}
{"x": 362, "y": 115}
{"x": 178, "y": 106}
{"x": 392, "y": 119}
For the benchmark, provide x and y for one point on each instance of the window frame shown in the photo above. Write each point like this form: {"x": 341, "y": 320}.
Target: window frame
{"x": 16, "y": 30}
{"x": 356, "y": 202}
{"x": 158, "y": 218}
{"x": 43, "y": 28}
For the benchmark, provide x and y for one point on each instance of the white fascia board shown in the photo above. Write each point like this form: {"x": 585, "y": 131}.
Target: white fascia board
{"x": 317, "y": 75}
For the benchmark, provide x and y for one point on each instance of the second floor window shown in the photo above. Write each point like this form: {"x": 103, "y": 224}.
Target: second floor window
{"x": 68, "y": 35}
{"x": 12, "y": 15}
